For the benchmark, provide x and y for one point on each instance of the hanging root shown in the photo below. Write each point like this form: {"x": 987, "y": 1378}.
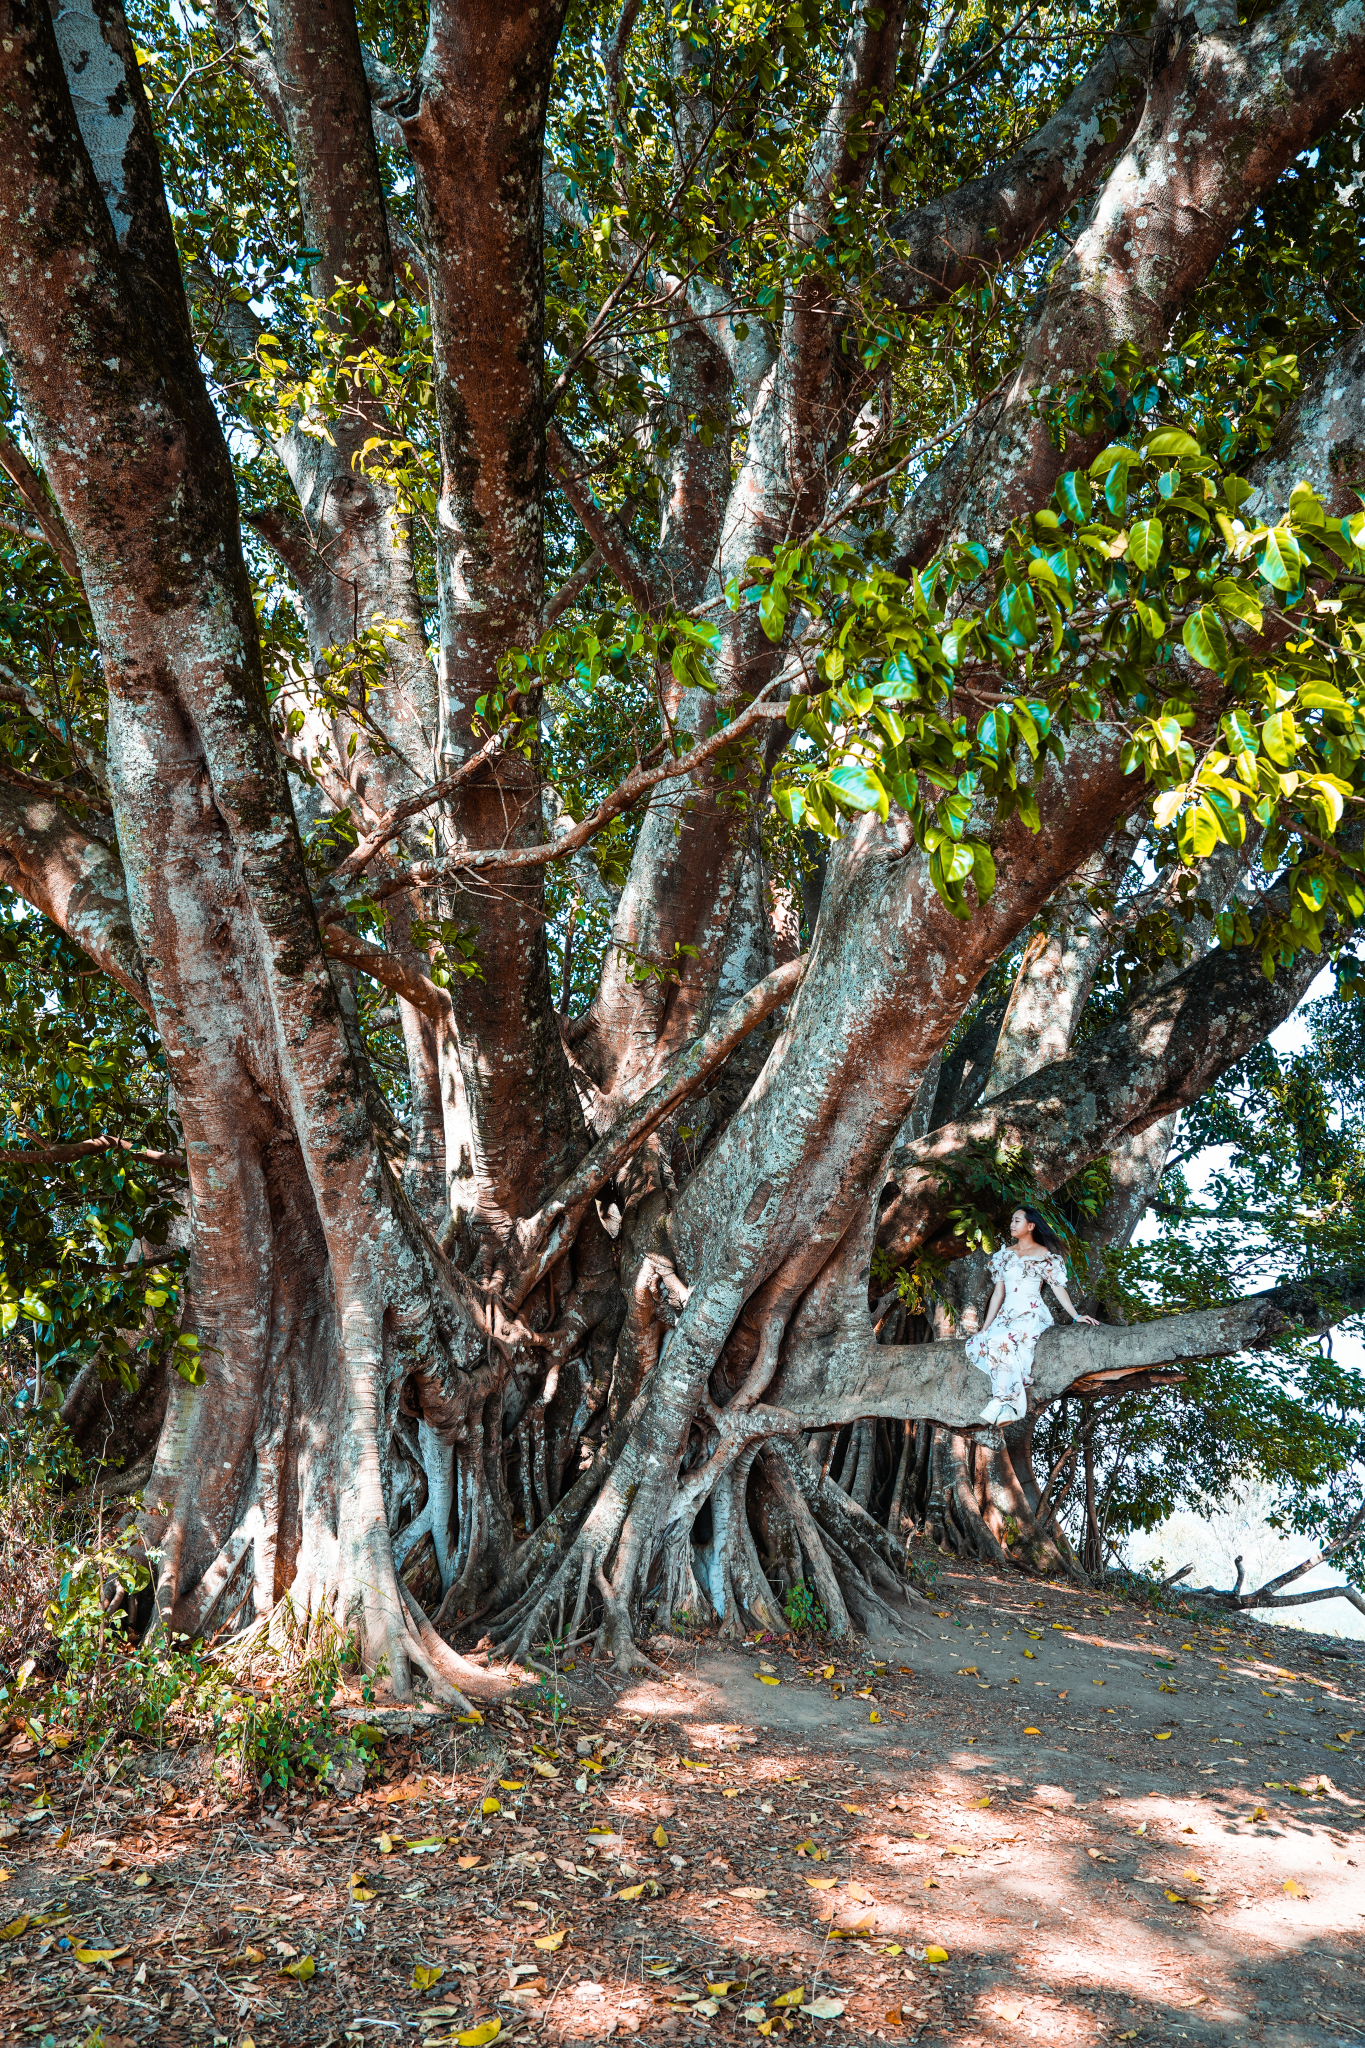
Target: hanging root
{"x": 852, "y": 1556}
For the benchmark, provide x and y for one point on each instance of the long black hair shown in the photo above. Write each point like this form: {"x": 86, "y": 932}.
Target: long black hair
{"x": 1043, "y": 1233}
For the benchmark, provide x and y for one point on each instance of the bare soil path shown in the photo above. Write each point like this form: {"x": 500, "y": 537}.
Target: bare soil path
{"x": 1115, "y": 1823}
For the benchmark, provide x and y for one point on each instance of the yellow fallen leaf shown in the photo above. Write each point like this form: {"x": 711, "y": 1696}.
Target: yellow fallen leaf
{"x": 550, "y": 1942}
{"x": 732, "y": 1792}
{"x": 253, "y": 1955}
{"x": 424, "y": 1975}
{"x": 632, "y": 1891}
{"x": 361, "y": 1895}
{"x": 1029, "y": 1653}
{"x": 97, "y": 1955}
{"x": 385, "y": 1844}
{"x": 1033, "y": 1731}
{"x": 660, "y": 1837}
{"x": 1295, "y": 1891}
{"x": 544, "y": 1770}
{"x": 981, "y": 1802}
{"x": 142, "y": 1879}
{"x": 764, "y": 1679}
{"x": 851, "y": 1809}
{"x": 720, "y": 1990}
{"x": 822, "y": 1884}
{"x": 428, "y": 1845}
{"x": 479, "y": 2037}
{"x": 512, "y": 1784}
{"x": 300, "y": 1971}
{"x": 14, "y": 1929}
{"x": 893, "y": 2018}
{"x": 1163, "y": 1735}
{"x": 874, "y": 1716}
{"x": 829, "y": 1671}
{"x": 796, "y": 1996}
{"x": 492, "y": 1805}
{"x": 688, "y": 1765}
{"x": 936, "y": 1955}
{"x": 1258, "y": 1813}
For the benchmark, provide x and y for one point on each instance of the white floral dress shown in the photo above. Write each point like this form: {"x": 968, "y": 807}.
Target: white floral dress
{"x": 1005, "y": 1350}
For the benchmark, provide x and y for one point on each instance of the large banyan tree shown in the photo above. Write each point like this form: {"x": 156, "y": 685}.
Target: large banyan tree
{"x": 708, "y": 642}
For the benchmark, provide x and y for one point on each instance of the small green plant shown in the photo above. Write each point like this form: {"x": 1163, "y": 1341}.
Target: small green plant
{"x": 803, "y": 1610}
{"x": 286, "y": 1733}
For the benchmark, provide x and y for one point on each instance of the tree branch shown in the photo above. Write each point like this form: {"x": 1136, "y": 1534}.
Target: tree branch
{"x": 542, "y": 1238}
{"x": 984, "y": 224}
{"x": 608, "y": 536}
{"x": 1226, "y": 110}
{"x": 860, "y": 1377}
{"x": 87, "y": 1148}
{"x": 29, "y": 485}
{"x": 387, "y": 970}
{"x": 76, "y": 880}
{"x": 1165, "y": 1050}
{"x": 501, "y": 860}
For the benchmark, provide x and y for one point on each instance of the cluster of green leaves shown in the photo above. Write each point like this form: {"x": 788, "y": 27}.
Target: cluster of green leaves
{"x": 86, "y": 1271}
{"x": 1078, "y": 623}
{"x": 803, "y": 1610}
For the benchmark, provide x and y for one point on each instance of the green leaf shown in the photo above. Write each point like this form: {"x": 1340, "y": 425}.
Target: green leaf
{"x": 1073, "y": 495}
{"x": 858, "y": 788}
{"x": 1145, "y": 541}
{"x": 1172, "y": 444}
{"x": 983, "y": 871}
{"x": 1280, "y": 738}
{"x": 1279, "y": 560}
{"x": 1204, "y": 637}
{"x": 1239, "y": 603}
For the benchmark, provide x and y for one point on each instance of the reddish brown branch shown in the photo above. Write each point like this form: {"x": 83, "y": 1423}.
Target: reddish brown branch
{"x": 387, "y": 970}
{"x": 86, "y": 1148}
{"x": 29, "y": 485}
{"x": 627, "y": 793}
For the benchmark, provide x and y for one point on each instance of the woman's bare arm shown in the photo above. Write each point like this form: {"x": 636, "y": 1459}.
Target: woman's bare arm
{"x": 997, "y": 1296}
{"x": 1072, "y": 1311}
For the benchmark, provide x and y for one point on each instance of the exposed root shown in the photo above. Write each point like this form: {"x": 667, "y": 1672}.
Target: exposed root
{"x": 431, "y": 1655}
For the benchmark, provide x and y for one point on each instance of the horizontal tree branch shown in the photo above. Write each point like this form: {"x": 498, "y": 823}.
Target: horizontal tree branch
{"x": 86, "y": 1148}
{"x": 861, "y": 1378}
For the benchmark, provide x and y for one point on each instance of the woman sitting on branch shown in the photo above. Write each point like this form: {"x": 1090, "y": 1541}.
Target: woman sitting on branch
{"x": 1018, "y": 1315}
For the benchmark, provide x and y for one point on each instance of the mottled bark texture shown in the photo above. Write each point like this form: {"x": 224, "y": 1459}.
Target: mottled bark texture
{"x": 562, "y": 1366}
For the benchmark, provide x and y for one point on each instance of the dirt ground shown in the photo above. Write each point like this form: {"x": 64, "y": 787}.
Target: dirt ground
{"x": 1056, "y": 1817}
